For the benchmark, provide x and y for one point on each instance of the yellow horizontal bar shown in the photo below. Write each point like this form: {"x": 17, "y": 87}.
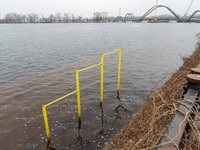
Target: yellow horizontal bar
{"x": 60, "y": 98}
{"x": 89, "y": 67}
{"x": 111, "y": 52}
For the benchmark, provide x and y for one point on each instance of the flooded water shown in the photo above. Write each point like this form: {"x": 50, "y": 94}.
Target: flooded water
{"x": 38, "y": 63}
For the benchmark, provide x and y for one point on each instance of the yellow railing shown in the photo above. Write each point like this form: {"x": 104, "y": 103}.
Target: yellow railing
{"x": 78, "y": 90}
{"x": 45, "y": 113}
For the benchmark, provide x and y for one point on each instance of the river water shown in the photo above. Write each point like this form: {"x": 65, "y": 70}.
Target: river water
{"x": 38, "y": 63}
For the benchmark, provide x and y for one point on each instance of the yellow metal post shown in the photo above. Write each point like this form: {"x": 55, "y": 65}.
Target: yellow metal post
{"x": 119, "y": 70}
{"x": 78, "y": 90}
{"x": 102, "y": 59}
{"x": 45, "y": 114}
{"x": 78, "y": 93}
{"x": 46, "y": 122}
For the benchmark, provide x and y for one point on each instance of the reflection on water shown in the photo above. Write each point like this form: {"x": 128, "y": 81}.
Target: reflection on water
{"x": 118, "y": 116}
{"x": 49, "y": 147}
{"x": 101, "y": 131}
{"x": 81, "y": 141}
{"x": 79, "y": 138}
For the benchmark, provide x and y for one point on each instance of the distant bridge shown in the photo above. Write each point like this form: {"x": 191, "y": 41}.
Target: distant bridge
{"x": 118, "y": 19}
{"x": 130, "y": 16}
{"x": 192, "y": 15}
{"x": 155, "y": 7}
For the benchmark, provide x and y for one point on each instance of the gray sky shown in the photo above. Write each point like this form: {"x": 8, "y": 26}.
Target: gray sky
{"x": 86, "y": 8}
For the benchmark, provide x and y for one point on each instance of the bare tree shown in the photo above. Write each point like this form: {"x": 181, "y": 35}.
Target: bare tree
{"x": 23, "y": 18}
{"x": 52, "y": 18}
{"x": 66, "y": 17}
{"x": 80, "y": 18}
{"x": 58, "y": 17}
{"x": 97, "y": 17}
{"x": 104, "y": 15}
{"x": 73, "y": 18}
{"x": 10, "y": 18}
{"x": 33, "y": 17}
{"x": 18, "y": 18}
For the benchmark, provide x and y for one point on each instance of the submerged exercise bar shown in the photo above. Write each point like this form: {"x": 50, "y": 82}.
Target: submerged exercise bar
{"x": 102, "y": 67}
{"x": 45, "y": 113}
{"x": 78, "y": 89}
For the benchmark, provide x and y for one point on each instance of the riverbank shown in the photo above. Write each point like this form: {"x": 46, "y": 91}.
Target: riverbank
{"x": 148, "y": 126}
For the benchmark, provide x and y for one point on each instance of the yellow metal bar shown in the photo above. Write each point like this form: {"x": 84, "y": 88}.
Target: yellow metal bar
{"x": 78, "y": 90}
{"x": 46, "y": 122}
{"x": 60, "y": 98}
{"x": 111, "y": 52}
{"x": 90, "y": 67}
{"x": 102, "y": 59}
{"x": 119, "y": 70}
{"x": 78, "y": 93}
{"x": 45, "y": 114}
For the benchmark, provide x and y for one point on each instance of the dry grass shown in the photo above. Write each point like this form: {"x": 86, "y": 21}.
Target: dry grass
{"x": 149, "y": 125}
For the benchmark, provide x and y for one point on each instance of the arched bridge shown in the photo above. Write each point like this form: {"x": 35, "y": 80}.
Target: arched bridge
{"x": 155, "y": 7}
{"x": 129, "y": 16}
{"x": 193, "y": 15}
{"x": 118, "y": 19}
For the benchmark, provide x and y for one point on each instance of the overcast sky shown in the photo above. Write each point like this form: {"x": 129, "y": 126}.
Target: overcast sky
{"x": 86, "y": 8}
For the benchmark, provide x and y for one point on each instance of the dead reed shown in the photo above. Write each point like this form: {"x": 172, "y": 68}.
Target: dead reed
{"x": 148, "y": 126}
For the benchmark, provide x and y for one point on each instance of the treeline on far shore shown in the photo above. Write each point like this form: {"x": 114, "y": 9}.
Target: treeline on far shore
{"x": 68, "y": 18}
{"x": 55, "y": 18}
